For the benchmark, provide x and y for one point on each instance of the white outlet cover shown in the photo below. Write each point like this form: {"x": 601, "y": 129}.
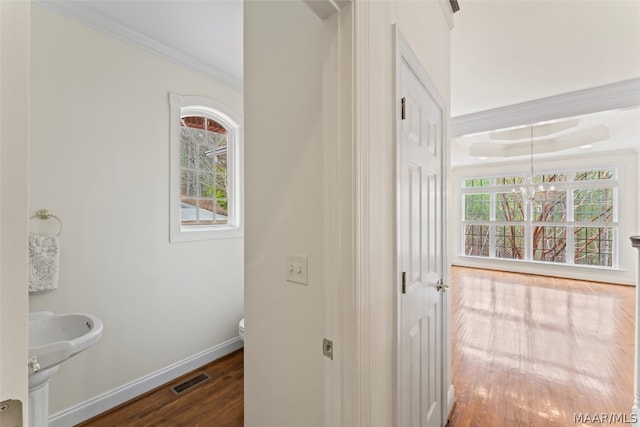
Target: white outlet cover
{"x": 297, "y": 270}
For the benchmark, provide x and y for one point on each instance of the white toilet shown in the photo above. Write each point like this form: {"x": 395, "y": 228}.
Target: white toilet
{"x": 241, "y": 329}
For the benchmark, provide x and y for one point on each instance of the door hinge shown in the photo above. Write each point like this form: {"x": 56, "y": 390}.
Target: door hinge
{"x": 327, "y": 348}
{"x": 403, "y": 112}
{"x": 404, "y": 282}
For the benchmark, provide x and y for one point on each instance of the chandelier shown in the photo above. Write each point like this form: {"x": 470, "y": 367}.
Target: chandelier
{"x": 528, "y": 191}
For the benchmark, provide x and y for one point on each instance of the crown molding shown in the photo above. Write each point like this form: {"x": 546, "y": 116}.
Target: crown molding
{"x": 613, "y": 96}
{"x": 80, "y": 12}
{"x": 325, "y": 8}
{"x": 448, "y": 10}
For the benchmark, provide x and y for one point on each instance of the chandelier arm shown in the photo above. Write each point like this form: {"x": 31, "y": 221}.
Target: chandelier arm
{"x": 528, "y": 191}
{"x": 531, "y": 144}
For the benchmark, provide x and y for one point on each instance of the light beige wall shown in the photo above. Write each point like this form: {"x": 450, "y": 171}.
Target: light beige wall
{"x": 628, "y": 217}
{"x": 286, "y": 47}
{"x": 99, "y": 160}
{"x": 424, "y": 26}
{"x": 14, "y": 133}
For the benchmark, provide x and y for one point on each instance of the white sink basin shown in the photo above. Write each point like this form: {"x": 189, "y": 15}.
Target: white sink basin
{"x": 54, "y": 338}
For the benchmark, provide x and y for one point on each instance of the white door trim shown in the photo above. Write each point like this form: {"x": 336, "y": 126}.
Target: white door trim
{"x": 362, "y": 364}
{"x": 339, "y": 222}
{"x": 15, "y": 18}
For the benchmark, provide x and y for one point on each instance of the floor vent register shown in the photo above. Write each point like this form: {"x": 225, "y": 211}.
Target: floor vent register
{"x": 190, "y": 383}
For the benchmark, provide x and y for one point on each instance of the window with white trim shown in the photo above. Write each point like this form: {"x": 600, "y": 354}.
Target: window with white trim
{"x": 573, "y": 218}
{"x": 205, "y": 170}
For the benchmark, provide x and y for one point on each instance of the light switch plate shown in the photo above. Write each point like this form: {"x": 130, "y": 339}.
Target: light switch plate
{"x": 297, "y": 269}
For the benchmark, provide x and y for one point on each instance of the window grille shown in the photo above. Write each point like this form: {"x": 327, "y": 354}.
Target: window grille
{"x": 573, "y": 219}
{"x": 206, "y": 178}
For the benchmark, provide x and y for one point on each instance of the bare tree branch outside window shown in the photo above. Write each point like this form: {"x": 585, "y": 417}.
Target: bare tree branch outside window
{"x": 496, "y": 217}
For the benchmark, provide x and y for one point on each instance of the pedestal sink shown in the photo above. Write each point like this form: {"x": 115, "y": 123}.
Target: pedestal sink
{"x": 54, "y": 338}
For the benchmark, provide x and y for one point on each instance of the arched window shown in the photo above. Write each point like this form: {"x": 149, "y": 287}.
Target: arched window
{"x": 205, "y": 169}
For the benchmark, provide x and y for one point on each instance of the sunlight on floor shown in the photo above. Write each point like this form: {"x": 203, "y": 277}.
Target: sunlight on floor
{"x": 538, "y": 349}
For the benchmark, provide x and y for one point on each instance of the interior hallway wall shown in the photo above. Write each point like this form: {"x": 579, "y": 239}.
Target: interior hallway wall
{"x": 99, "y": 159}
{"x": 286, "y": 46}
{"x": 14, "y": 138}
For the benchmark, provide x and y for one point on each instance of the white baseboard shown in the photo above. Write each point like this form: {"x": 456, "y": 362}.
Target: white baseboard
{"x": 101, "y": 403}
{"x": 450, "y": 401}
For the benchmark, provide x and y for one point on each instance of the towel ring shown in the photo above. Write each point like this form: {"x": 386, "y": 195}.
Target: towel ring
{"x": 47, "y": 214}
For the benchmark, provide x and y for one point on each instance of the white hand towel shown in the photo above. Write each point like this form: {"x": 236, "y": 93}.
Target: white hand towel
{"x": 44, "y": 263}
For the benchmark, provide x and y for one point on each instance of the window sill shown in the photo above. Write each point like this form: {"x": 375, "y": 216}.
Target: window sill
{"x": 196, "y": 234}
{"x": 540, "y": 263}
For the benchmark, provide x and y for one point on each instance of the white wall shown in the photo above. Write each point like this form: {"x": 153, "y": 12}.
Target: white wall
{"x": 628, "y": 217}
{"x": 286, "y": 47}
{"x": 14, "y": 133}
{"x": 424, "y": 26}
{"x": 99, "y": 160}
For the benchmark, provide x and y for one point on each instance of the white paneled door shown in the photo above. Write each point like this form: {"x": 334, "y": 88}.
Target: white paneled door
{"x": 420, "y": 258}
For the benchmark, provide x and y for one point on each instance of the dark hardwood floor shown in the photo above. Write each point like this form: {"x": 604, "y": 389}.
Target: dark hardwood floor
{"x": 526, "y": 351}
{"x": 532, "y": 350}
{"x": 216, "y": 402}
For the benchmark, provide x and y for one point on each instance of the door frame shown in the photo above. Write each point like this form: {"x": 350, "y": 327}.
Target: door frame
{"x": 404, "y": 53}
{"x": 14, "y": 213}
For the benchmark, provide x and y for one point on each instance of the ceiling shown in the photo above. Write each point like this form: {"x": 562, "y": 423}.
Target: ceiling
{"x": 202, "y": 35}
{"x": 502, "y": 53}
{"x": 505, "y": 53}
{"x": 580, "y": 135}
{"x": 508, "y": 52}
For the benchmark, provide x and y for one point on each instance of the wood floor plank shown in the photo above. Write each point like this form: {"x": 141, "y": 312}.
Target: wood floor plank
{"x": 533, "y": 351}
{"x": 215, "y": 402}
